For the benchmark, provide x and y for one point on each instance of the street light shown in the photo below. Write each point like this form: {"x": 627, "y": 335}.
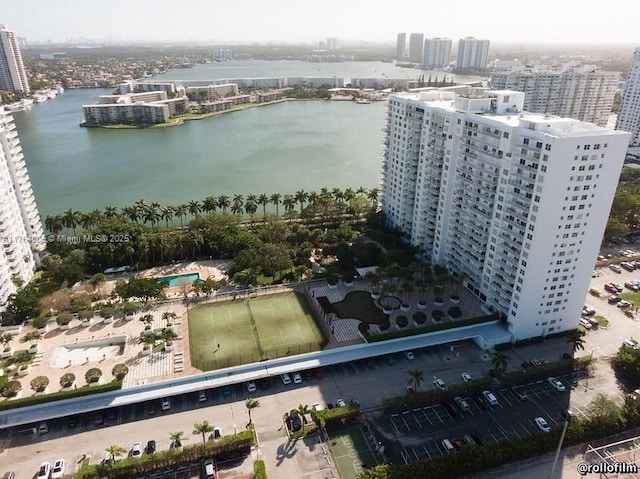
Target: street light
{"x": 567, "y": 418}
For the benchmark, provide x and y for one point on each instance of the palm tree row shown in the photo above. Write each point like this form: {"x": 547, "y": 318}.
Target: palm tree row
{"x": 155, "y": 214}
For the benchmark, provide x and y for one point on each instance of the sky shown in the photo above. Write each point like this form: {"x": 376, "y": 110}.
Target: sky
{"x": 288, "y": 21}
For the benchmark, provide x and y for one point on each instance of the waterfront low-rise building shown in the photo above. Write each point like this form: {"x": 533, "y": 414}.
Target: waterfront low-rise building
{"x": 211, "y": 92}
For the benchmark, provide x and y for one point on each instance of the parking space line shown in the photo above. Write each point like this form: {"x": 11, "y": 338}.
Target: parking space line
{"x": 526, "y": 431}
{"x": 516, "y": 432}
{"x": 426, "y": 452}
{"x": 504, "y": 393}
{"x": 405, "y": 458}
{"x": 394, "y": 424}
{"x": 426, "y": 417}
{"x": 404, "y": 421}
{"x": 437, "y": 415}
{"x": 416, "y": 419}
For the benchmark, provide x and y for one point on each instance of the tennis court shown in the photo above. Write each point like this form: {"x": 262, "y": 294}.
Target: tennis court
{"x": 351, "y": 452}
{"x": 248, "y": 330}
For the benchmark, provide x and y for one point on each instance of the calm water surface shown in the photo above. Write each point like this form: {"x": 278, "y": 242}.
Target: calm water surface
{"x": 279, "y": 148}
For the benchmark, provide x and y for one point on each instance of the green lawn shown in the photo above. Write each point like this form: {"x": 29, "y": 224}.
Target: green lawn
{"x": 251, "y": 329}
{"x": 633, "y": 297}
{"x": 359, "y": 305}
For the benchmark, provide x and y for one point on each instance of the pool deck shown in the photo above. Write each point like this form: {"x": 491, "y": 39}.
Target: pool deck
{"x": 217, "y": 269}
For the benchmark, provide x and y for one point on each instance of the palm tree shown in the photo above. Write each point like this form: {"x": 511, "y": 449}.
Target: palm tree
{"x": 250, "y": 207}
{"x": 303, "y": 409}
{"x": 209, "y": 204}
{"x": 110, "y": 211}
{"x": 301, "y": 197}
{"x": 263, "y": 200}
{"x": 54, "y": 223}
{"x": 575, "y": 339}
{"x": 251, "y": 198}
{"x": 500, "y": 362}
{"x": 236, "y": 208}
{"x": 71, "y": 219}
{"x": 224, "y": 202}
{"x": 373, "y": 195}
{"x": 181, "y": 211}
{"x": 416, "y": 378}
{"x": 177, "y": 438}
{"x": 250, "y": 404}
{"x": 361, "y": 191}
{"x": 194, "y": 207}
{"x": 115, "y": 451}
{"x": 166, "y": 214}
{"x": 203, "y": 428}
{"x": 276, "y": 200}
{"x": 131, "y": 212}
{"x": 238, "y": 200}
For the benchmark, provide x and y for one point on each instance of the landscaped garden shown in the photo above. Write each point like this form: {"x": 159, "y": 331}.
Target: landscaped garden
{"x": 252, "y": 329}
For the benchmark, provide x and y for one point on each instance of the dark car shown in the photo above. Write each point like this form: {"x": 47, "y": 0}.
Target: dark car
{"x": 227, "y": 391}
{"x": 318, "y": 373}
{"x": 308, "y": 374}
{"x": 151, "y": 447}
{"x": 520, "y": 394}
{"x": 98, "y": 419}
{"x": 613, "y": 299}
{"x": 152, "y": 408}
{"x": 457, "y": 443}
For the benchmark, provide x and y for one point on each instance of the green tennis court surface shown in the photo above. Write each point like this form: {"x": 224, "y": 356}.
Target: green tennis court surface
{"x": 351, "y": 452}
{"x": 252, "y": 329}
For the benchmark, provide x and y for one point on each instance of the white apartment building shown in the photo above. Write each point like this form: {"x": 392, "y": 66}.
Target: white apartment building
{"x": 401, "y": 46}
{"x": 570, "y": 90}
{"x": 629, "y": 114}
{"x": 126, "y": 113}
{"x": 13, "y": 76}
{"x": 437, "y": 53}
{"x": 472, "y": 53}
{"x": 416, "y": 44}
{"x": 21, "y": 232}
{"x": 517, "y": 202}
{"x": 212, "y": 92}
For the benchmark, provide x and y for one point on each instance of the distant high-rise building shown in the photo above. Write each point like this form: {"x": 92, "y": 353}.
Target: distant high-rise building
{"x": 472, "y": 53}
{"x": 437, "y": 52}
{"x": 332, "y": 43}
{"x": 569, "y": 90}
{"x": 13, "y": 76}
{"x": 629, "y": 114}
{"x": 416, "y": 44}
{"x": 514, "y": 203}
{"x": 19, "y": 219}
{"x": 401, "y": 46}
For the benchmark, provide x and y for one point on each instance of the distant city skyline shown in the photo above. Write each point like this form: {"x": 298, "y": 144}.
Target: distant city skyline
{"x": 520, "y": 22}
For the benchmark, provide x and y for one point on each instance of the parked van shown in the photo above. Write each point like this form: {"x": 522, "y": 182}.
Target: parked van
{"x": 448, "y": 447}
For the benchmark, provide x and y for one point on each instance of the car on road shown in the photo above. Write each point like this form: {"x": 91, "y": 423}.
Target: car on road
{"x": 251, "y": 386}
{"x": 340, "y": 403}
{"x": 151, "y": 447}
{"x": 44, "y": 471}
{"x": 556, "y": 384}
{"x": 297, "y": 378}
{"x": 490, "y": 398}
{"x": 439, "y": 383}
{"x": 58, "y": 469}
{"x": 286, "y": 379}
{"x": 520, "y": 394}
{"x": 466, "y": 377}
{"x": 202, "y": 396}
{"x": 542, "y": 424}
{"x": 136, "y": 449}
{"x": 623, "y": 304}
{"x": 410, "y": 356}
{"x": 166, "y": 404}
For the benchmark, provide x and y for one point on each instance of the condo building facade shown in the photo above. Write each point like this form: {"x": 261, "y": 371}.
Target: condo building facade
{"x": 515, "y": 202}
{"x": 629, "y": 114}
{"x": 21, "y": 235}
{"x": 437, "y": 53}
{"x": 416, "y": 44}
{"x": 571, "y": 89}
{"x": 13, "y": 76}
{"x": 472, "y": 53}
{"x": 401, "y": 46}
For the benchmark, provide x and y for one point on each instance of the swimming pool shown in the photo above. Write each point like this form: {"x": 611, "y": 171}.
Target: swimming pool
{"x": 177, "y": 280}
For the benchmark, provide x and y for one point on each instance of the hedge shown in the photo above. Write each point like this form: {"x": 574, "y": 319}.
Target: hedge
{"x": 228, "y": 447}
{"x": 83, "y": 391}
{"x": 259, "y": 470}
{"x": 336, "y": 417}
{"x": 429, "y": 329}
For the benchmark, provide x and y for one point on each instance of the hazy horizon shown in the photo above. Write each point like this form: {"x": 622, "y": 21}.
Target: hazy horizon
{"x": 283, "y": 21}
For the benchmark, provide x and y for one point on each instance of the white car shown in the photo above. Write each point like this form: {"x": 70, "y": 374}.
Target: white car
{"x": 44, "y": 471}
{"x": 440, "y": 384}
{"x": 410, "y": 356}
{"x": 166, "y": 404}
{"x": 542, "y": 424}
{"x": 251, "y": 386}
{"x": 491, "y": 399}
{"x": 340, "y": 403}
{"x": 202, "y": 396}
{"x": 557, "y": 385}
{"x": 317, "y": 407}
{"x": 58, "y": 469}
{"x": 136, "y": 449}
{"x": 466, "y": 377}
{"x": 286, "y": 379}
{"x": 297, "y": 378}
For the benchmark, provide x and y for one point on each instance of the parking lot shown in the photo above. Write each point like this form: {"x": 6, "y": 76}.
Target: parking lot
{"x": 418, "y": 433}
